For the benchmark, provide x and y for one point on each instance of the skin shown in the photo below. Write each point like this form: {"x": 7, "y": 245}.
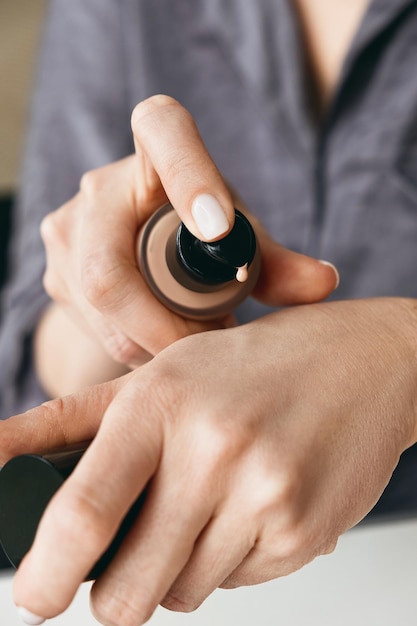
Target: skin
{"x": 92, "y": 274}
{"x": 301, "y": 451}
{"x": 300, "y": 443}
{"x": 328, "y": 28}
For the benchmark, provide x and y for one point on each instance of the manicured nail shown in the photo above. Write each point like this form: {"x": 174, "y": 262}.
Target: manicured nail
{"x": 334, "y": 270}
{"x": 29, "y": 618}
{"x": 209, "y": 216}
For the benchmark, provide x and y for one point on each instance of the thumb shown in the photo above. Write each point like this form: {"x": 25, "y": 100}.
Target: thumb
{"x": 288, "y": 277}
{"x": 57, "y": 423}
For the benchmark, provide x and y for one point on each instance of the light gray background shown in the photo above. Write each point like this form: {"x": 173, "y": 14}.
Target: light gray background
{"x": 371, "y": 579}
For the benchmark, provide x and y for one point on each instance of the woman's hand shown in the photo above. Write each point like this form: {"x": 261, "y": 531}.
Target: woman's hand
{"x": 92, "y": 272}
{"x": 260, "y": 445}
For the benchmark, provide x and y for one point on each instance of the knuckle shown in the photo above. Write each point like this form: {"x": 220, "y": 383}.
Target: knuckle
{"x": 45, "y": 416}
{"x": 291, "y": 546}
{"x": 168, "y": 385}
{"x": 55, "y": 234}
{"x": 53, "y": 229}
{"x": 288, "y": 546}
{"x": 176, "y": 164}
{"x": 329, "y": 546}
{"x": 52, "y": 285}
{"x": 284, "y": 491}
{"x": 122, "y": 349}
{"x": 179, "y": 603}
{"x": 100, "y": 280}
{"x": 276, "y": 496}
{"x": 47, "y": 228}
{"x": 91, "y": 182}
{"x": 85, "y": 522}
{"x": 279, "y": 508}
{"x": 218, "y": 445}
{"x": 220, "y": 449}
{"x": 122, "y": 606}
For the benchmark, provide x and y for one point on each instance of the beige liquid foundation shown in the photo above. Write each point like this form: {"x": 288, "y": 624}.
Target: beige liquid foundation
{"x": 193, "y": 278}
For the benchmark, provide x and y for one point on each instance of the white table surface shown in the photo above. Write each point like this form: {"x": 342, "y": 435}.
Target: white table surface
{"x": 371, "y": 578}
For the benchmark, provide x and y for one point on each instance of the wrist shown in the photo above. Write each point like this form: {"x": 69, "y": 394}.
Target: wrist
{"x": 379, "y": 334}
{"x": 66, "y": 359}
{"x": 405, "y": 312}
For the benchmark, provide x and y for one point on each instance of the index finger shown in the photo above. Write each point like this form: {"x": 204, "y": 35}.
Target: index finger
{"x": 84, "y": 515}
{"x": 57, "y": 423}
{"x": 168, "y": 142}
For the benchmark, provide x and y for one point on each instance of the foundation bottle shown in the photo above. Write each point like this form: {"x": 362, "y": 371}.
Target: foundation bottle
{"x": 193, "y": 278}
{"x": 27, "y": 484}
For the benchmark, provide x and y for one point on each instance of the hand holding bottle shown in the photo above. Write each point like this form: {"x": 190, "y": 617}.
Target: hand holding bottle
{"x": 92, "y": 272}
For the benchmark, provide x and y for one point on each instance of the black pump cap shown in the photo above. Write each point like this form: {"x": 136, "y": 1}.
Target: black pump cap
{"x": 217, "y": 262}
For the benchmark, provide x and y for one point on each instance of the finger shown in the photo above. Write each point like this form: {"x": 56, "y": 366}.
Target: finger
{"x": 264, "y": 564}
{"x": 175, "y": 518}
{"x": 132, "y": 319}
{"x": 57, "y": 423}
{"x": 288, "y": 277}
{"x": 114, "y": 341}
{"x": 84, "y": 515}
{"x": 167, "y": 139}
{"x": 278, "y": 554}
{"x": 154, "y": 553}
{"x": 111, "y": 282}
{"x": 63, "y": 255}
{"x": 62, "y": 281}
{"x": 219, "y": 551}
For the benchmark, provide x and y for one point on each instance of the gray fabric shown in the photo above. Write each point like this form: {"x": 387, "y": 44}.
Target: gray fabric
{"x": 343, "y": 189}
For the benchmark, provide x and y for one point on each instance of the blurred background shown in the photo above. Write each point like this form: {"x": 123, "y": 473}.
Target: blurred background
{"x": 20, "y": 28}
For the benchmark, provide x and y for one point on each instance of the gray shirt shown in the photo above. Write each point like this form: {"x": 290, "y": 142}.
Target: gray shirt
{"x": 343, "y": 188}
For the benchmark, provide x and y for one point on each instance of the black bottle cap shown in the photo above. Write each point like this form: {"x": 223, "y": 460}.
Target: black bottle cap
{"x": 217, "y": 262}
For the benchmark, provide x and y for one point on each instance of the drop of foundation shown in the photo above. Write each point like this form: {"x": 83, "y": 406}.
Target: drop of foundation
{"x": 242, "y": 273}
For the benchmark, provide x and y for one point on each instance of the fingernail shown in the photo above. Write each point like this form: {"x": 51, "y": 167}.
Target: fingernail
{"x": 334, "y": 269}
{"x": 29, "y": 618}
{"x": 209, "y": 216}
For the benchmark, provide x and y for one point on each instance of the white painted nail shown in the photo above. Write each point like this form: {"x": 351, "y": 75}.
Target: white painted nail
{"x": 209, "y": 216}
{"x": 29, "y": 618}
{"x": 334, "y": 268}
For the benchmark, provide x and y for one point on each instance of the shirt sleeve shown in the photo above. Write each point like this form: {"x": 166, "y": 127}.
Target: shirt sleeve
{"x": 79, "y": 120}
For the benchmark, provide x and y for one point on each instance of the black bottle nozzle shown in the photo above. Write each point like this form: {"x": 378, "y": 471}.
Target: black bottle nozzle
{"x": 219, "y": 261}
